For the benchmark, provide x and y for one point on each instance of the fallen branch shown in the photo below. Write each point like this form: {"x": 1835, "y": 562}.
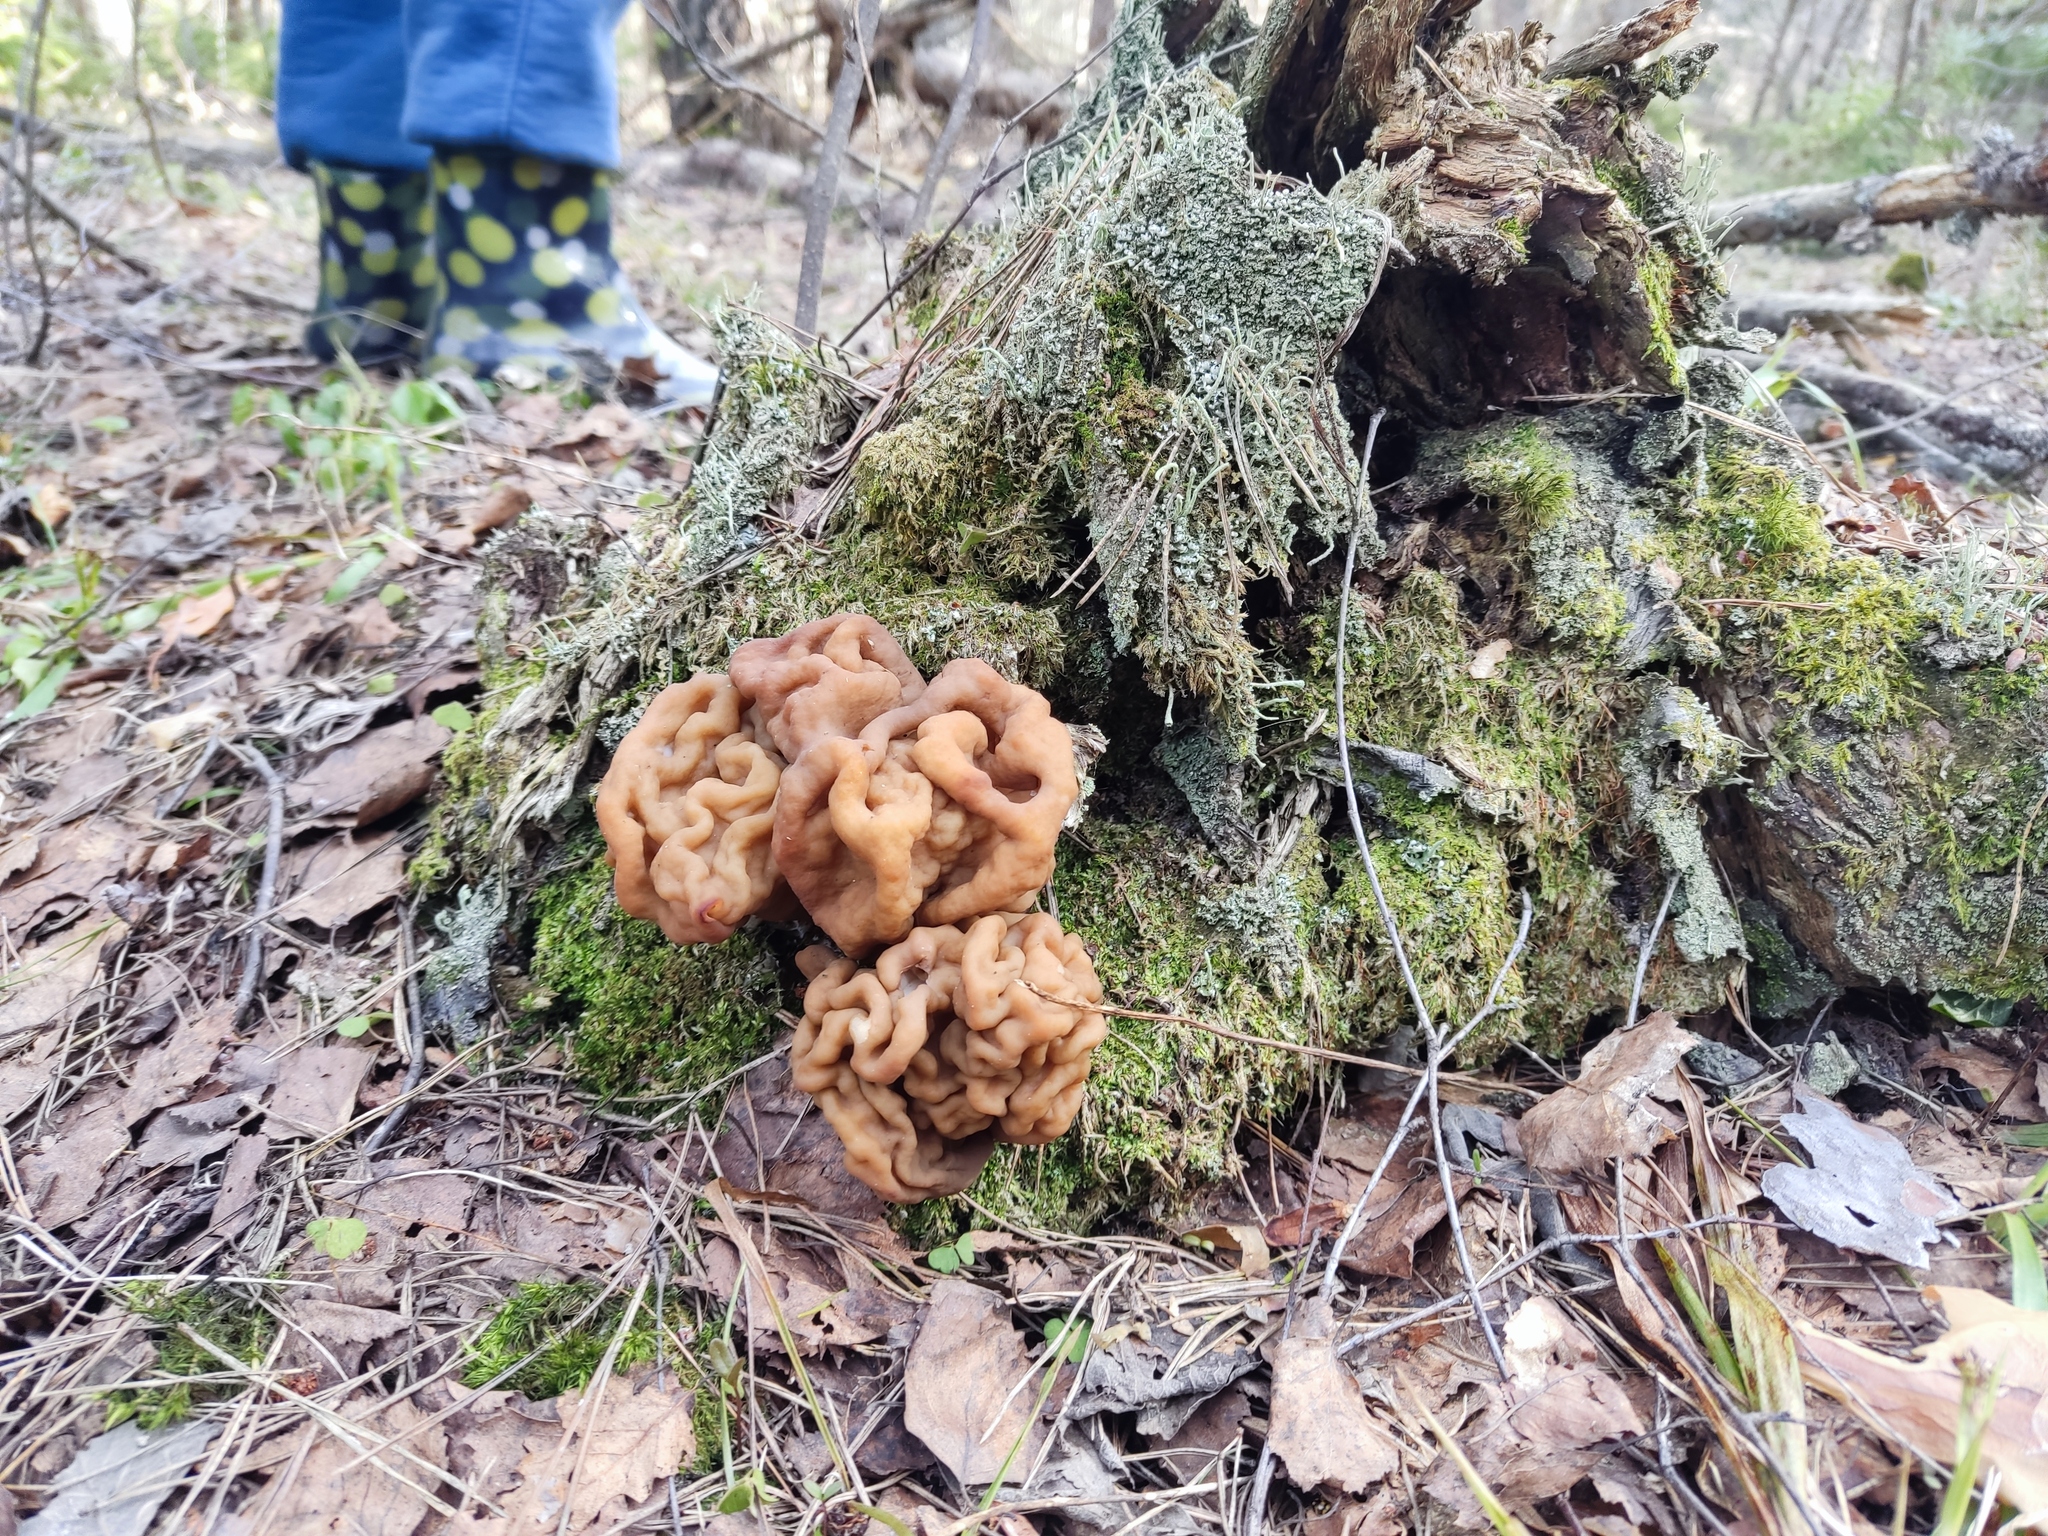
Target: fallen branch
{"x": 266, "y": 889}
{"x": 1994, "y": 443}
{"x": 2000, "y": 177}
{"x": 1625, "y": 41}
{"x": 1829, "y": 312}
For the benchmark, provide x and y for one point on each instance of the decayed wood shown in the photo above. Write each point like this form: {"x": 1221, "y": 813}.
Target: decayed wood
{"x": 1625, "y": 41}
{"x": 1307, "y": 118}
{"x": 2000, "y": 178}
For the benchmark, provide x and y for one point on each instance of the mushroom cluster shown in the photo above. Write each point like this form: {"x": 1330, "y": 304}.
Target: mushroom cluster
{"x": 915, "y": 818}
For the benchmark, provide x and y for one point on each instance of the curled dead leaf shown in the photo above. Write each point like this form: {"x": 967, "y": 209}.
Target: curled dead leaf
{"x": 1605, "y": 1114}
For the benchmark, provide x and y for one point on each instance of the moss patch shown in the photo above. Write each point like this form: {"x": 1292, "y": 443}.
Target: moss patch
{"x": 646, "y": 1018}
{"x": 227, "y": 1318}
{"x": 566, "y": 1330}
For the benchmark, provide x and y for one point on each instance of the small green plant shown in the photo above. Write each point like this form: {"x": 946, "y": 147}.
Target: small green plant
{"x": 339, "y": 1237}
{"x": 454, "y": 716}
{"x": 951, "y": 1256}
{"x": 233, "y": 1322}
{"x": 1980, "y": 1400}
{"x": 1968, "y": 1008}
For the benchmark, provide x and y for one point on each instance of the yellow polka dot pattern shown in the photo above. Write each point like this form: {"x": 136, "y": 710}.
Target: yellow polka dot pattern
{"x": 490, "y": 239}
{"x": 527, "y": 270}
{"x": 377, "y": 272}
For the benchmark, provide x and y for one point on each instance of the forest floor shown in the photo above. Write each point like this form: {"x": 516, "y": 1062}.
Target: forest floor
{"x": 290, "y": 1267}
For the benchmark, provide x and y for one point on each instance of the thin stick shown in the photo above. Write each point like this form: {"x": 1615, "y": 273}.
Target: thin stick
{"x": 2019, "y": 876}
{"x": 25, "y": 136}
{"x": 416, "y": 1026}
{"x": 831, "y": 154}
{"x": 1635, "y": 996}
{"x": 956, "y": 115}
{"x": 1437, "y": 1056}
{"x": 266, "y": 889}
{"x": 86, "y": 235}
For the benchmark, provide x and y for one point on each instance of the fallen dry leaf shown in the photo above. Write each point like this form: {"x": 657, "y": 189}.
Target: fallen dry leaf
{"x": 165, "y": 1070}
{"x": 1247, "y": 1242}
{"x": 184, "y": 481}
{"x": 1321, "y": 1428}
{"x": 1863, "y": 1191}
{"x": 327, "y": 1491}
{"x": 615, "y": 1441}
{"x": 339, "y": 880}
{"x": 1547, "y": 1426}
{"x": 316, "y": 1090}
{"x": 331, "y": 1337}
{"x": 1918, "y": 1402}
{"x": 957, "y": 1383}
{"x": 166, "y": 732}
{"x": 196, "y": 617}
{"x": 380, "y": 772}
{"x": 1999, "y": 1080}
{"x": 72, "y": 866}
{"x": 1378, "y": 1516}
{"x": 86, "y": 786}
{"x": 1487, "y": 659}
{"x": 1605, "y": 1114}
{"x": 62, "y": 1176}
{"x": 240, "y": 1186}
{"x": 37, "y": 997}
{"x": 371, "y": 627}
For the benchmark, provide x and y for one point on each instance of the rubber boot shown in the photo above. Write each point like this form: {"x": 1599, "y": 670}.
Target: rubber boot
{"x": 377, "y": 276}
{"x": 528, "y": 281}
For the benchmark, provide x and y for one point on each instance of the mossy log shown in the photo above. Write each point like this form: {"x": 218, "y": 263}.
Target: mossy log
{"x": 1603, "y": 646}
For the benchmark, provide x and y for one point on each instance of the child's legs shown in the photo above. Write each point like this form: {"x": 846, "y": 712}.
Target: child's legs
{"x": 529, "y": 75}
{"x": 341, "y": 73}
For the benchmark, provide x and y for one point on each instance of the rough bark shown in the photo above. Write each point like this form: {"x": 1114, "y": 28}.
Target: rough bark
{"x": 2001, "y": 177}
{"x": 1625, "y": 41}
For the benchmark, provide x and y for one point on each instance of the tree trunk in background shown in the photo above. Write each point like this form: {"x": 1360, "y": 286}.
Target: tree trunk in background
{"x": 1763, "y": 90}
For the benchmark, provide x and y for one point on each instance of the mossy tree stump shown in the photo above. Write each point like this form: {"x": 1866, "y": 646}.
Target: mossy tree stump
{"x": 1602, "y": 638}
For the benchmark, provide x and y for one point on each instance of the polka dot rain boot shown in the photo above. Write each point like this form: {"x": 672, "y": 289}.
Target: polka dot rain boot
{"x": 376, "y": 263}
{"x": 528, "y": 282}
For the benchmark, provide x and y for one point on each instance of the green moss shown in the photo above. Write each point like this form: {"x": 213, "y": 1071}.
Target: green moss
{"x": 645, "y": 1017}
{"x": 231, "y": 1320}
{"x": 1445, "y": 876}
{"x": 1662, "y": 282}
{"x": 1840, "y": 628}
{"x": 567, "y": 1330}
{"x": 1523, "y": 471}
{"x": 942, "y": 487}
{"x": 1164, "y": 1099}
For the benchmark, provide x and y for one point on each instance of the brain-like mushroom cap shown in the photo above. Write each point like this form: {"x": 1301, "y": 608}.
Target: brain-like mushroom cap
{"x": 946, "y": 808}
{"x": 688, "y": 808}
{"x": 823, "y": 679}
{"x": 952, "y": 1042}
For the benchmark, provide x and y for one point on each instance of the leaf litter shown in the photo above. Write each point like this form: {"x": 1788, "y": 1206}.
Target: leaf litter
{"x": 720, "y": 1331}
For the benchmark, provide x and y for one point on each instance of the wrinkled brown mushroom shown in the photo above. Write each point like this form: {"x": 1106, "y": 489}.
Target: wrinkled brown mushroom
{"x": 826, "y": 678}
{"x": 687, "y": 809}
{"x": 946, "y": 808}
{"x": 954, "y": 1041}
